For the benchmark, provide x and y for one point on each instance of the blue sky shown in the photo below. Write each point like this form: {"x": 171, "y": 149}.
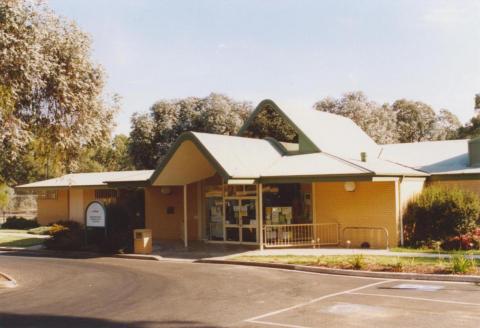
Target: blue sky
{"x": 294, "y": 52}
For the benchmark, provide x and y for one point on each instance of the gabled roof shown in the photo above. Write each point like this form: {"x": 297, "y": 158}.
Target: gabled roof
{"x": 96, "y": 179}
{"x": 248, "y": 158}
{"x": 328, "y": 132}
{"x": 435, "y": 157}
{"x": 231, "y": 156}
{"x": 323, "y": 164}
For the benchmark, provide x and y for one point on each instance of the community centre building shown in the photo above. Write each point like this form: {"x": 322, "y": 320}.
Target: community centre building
{"x": 332, "y": 185}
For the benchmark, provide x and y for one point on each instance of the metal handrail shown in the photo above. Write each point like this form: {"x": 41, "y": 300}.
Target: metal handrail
{"x": 369, "y": 228}
{"x": 303, "y": 234}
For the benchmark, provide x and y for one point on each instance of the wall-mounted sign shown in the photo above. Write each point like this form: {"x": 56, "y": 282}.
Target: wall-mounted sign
{"x": 95, "y": 215}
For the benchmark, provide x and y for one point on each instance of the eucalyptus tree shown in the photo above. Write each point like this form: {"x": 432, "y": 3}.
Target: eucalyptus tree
{"x": 154, "y": 132}
{"x": 51, "y": 90}
{"x": 378, "y": 121}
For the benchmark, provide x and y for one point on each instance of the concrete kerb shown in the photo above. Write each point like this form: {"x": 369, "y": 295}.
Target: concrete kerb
{"x": 9, "y": 281}
{"x": 356, "y": 273}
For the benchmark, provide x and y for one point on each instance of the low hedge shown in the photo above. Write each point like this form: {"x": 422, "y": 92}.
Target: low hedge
{"x": 14, "y": 222}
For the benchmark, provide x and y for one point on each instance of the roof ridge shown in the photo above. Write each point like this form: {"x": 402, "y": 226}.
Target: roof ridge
{"x": 348, "y": 162}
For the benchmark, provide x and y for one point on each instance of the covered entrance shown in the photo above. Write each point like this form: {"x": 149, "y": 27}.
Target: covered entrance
{"x": 231, "y": 214}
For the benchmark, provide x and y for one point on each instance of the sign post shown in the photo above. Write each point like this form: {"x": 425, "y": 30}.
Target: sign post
{"x": 95, "y": 217}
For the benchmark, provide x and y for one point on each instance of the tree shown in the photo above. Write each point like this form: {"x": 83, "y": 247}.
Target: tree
{"x": 51, "y": 92}
{"x": 268, "y": 123}
{"x": 377, "y": 121}
{"x": 472, "y": 128}
{"x": 447, "y": 125}
{"x": 5, "y": 196}
{"x": 154, "y": 132}
{"x": 109, "y": 157}
{"x": 415, "y": 120}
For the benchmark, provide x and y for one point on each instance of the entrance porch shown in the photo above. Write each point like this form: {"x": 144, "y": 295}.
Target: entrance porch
{"x": 208, "y": 189}
{"x": 316, "y": 214}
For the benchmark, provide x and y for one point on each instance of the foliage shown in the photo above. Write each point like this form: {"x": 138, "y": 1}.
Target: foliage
{"x": 268, "y": 123}
{"x": 403, "y": 121}
{"x": 415, "y": 120}
{"x": 50, "y": 91}
{"x": 108, "y": 157}
{"x": 42, "y": 230}
{"x": 440, "y": 214}
{"x": 14, "y": 222}
{"x": 447, "y": 125}
{"x": 65, "y": 235}
{"x": 377, "y": 121}
{"x": 153, "y": 132}
{"x": 466, "y": 241}
{"x": 5, "y": 196}
{"x": 471, "y": 129}
{"x": 462, "y": 264}
{"x": 357, "y": 261}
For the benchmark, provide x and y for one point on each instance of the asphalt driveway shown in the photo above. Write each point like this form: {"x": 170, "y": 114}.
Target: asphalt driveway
{"x": 112, "y": 292}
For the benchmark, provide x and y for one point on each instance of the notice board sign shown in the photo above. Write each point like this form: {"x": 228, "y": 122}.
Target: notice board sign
{"x": 95, "y": 215}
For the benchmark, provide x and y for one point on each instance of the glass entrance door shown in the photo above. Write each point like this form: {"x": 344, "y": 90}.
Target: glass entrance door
{"x": 241, "y": 220}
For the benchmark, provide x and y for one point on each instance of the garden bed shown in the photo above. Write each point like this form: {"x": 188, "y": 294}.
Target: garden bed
{"x": 456, "y": 265}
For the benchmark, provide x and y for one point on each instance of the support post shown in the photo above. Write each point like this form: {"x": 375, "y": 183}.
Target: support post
{"x": 260, "y": 215}
{"x": 185, "y": 228}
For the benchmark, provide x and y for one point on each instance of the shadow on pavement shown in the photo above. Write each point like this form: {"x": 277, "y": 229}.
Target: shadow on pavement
{"x": 198, "y": 249}
{"x": 37, "y": 320}
{"x": 54, "y": 254}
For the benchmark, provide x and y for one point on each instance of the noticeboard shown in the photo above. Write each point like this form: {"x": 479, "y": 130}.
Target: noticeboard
{"x": 95, "y": 215}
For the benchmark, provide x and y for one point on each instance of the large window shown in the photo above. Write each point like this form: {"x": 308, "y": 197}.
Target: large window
{"x": 47, "y": 194}
{"x": 288, "y": 203}
{"x": 106, "y": 194}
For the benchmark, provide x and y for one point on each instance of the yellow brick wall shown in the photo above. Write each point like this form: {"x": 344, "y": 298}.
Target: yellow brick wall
{"x": 472, "y": 185}
{"x": 372, "y": 204}
{"x": 51, "y": 210}
{"x": 170, "y": 226}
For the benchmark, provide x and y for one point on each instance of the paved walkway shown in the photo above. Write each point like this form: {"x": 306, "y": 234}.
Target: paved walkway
{"x": 340, "y": 251}
{"x": 201, "y": 250}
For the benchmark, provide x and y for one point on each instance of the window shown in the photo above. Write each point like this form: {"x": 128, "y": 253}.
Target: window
{"x": 47, "y": 194}
{"x": 105, "y": 194}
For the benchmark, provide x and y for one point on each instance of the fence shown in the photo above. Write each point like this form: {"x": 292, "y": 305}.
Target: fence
{"x": 376, "y": 237}
{"x": 295, "y": 235}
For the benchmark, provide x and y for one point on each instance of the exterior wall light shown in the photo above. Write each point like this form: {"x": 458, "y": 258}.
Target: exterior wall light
{"x": 166, "y": 190}
{"x": 349, "y": 186}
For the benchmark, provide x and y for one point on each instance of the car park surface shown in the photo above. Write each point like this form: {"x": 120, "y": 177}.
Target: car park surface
{"x": 113, "y": 292}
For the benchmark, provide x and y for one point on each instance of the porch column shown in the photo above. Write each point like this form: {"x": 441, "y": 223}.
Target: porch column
{"x": 260, "y": 215}
{"x": 185, "y": 228}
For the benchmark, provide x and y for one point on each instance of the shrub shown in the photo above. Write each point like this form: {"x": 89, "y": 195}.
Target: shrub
{"x": 119, "y": 230}
{"x": 397, "y": 266}
{"x": 462, "y": 264}
{"x": 14, "y": 222}
{"x": 44, "y": 230}
{"x": 357, "y": 262}
{"x": 441, "y": 214}
{"x": 65, "y": 235}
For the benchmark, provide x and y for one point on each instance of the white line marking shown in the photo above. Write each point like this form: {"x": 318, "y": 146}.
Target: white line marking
{"x": 316, "y": 300}
{"x": 415, "y": 298}
{"x": 277, "y": 324}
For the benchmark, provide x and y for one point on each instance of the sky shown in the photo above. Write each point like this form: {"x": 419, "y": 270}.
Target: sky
{"x": 293, "y": 52}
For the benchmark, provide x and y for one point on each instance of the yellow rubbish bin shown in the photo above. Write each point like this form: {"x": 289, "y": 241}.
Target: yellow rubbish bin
{"x": 142, "y": 241}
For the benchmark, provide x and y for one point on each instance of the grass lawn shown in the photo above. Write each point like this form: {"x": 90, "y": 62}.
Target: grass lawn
{"x": 432, "y": 251}
{"x": 12, "y": 231}
{"x": 10, "y": 240}
{"x": 459, "y": 265}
